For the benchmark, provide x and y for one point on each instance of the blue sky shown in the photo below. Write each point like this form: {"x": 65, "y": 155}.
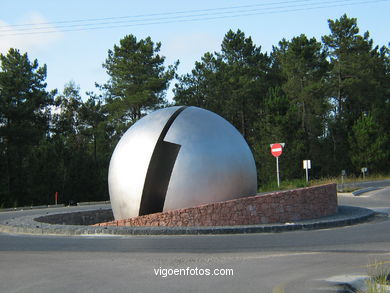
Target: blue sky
{"x": 78, "y": 55}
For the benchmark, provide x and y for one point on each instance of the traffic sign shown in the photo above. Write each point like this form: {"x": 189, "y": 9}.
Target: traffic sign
{"x": 364, "y": 171}
{"x": 306, "y": 164}
{"x": 276, "y": 149}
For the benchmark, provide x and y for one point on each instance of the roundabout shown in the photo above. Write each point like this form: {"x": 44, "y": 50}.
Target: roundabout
{"x": 75, "y": 222}
{"x": 293, "y": 261}
{"x": 300, "y": 209}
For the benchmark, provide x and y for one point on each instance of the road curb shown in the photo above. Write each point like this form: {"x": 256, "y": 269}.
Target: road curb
{"x": 355, "y": 283}
{"x": 364, "y": 190}
{"x": 364, "y": 184}
{"x": 347, "y": 215}
{"x": 26, "y": 208}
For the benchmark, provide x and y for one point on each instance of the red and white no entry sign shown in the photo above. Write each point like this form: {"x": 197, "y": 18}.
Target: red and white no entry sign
{"x": 276, "y": 149}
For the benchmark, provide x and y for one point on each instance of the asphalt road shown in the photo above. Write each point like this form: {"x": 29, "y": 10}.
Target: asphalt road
{"x": 281, "y": 262}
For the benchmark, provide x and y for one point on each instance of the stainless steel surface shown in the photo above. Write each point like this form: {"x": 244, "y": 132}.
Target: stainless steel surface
{"x": 214, "y": 162}
{"x": 130, "y": 161}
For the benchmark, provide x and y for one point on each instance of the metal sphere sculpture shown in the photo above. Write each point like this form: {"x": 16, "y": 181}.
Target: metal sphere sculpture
{"x": 179, "y": 157}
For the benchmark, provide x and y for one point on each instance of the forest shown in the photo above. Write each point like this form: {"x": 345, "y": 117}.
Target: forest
{"x": 327, "y": 99}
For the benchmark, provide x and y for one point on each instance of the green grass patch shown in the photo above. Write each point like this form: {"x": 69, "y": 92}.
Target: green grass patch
{"x": 299, "y": 183}
{"x": 378, "y": 277}
{"x": 354, "y": 179}
{"x": 348, "y": 189}
{"x": 284, "y": 185}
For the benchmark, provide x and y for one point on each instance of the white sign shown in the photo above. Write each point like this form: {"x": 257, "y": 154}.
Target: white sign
{"x": 306, "y": 164}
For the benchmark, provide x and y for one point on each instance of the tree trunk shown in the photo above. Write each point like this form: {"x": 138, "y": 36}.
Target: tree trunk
{"x": 8, "y": 160}
{"x": 339, "y": 89}
{"x": 243, "y": 130}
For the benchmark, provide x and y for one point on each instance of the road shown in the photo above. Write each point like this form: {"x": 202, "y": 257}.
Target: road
{"x": 280, "y": 262}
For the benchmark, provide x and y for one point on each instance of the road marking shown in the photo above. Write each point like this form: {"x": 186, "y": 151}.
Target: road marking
{"x": 282, "y": 255}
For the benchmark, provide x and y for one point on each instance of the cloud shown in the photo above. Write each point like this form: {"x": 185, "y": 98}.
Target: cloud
{"x": 12, "y": 36}
{"x": 192, "y": 44}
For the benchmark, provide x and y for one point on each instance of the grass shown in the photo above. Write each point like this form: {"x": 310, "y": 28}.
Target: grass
{"x": 378, "y": 277}
{"x": 299, "y": 183}
{"x": 350, "y": 179}
{"x": 284, "y": 185}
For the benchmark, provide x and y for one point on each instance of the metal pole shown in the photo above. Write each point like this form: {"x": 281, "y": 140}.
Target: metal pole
{"x": 307, "y": 173}
{"x": 277, "y": 170}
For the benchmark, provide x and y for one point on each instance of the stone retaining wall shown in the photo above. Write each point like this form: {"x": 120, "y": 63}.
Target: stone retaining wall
{"x": 278, "y": 207}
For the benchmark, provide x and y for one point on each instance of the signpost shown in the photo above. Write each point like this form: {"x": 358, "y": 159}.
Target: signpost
{"x": 364, "y": 171}
{"x": 276, "y": 151}
{"x": 343, "y": 173}
{"x": 307, "y": 166}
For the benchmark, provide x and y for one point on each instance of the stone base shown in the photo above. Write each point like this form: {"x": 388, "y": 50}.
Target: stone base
{"x": 278, "y": 207}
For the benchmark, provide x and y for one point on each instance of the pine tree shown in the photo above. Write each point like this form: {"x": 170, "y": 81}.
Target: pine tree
{"x": 138, "y": 81}
{"x": 24, "y": 117}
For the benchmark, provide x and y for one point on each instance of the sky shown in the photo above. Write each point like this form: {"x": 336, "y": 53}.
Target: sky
{"x": 74, "y": 36}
